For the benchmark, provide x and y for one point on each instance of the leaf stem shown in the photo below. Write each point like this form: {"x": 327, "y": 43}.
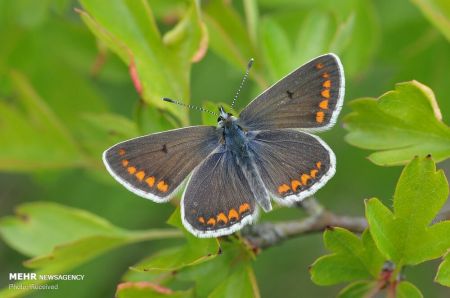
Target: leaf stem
{"x": 154, "y": 234}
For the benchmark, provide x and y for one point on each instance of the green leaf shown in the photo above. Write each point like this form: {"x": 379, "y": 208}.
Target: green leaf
{"x": 365, "y": 35}
{"x": 24, "y": 231}
{"x": 314, "y": 38}
{"x": 343, "y": 35}
{"x": 400, "y": 125}
{"x": 103, "y": 130}
{"x": 229, "y": 38}
{"x": 407, "y": 290}
{"x": 277, "y": 49}
{"x": 357, "y": 289}
{"x": 195, "y": 251}
{"x": 176, "y": 258}
{"x": 72, "y": 236}
{"x": 147, "y": 289}
{"x": 405, "y": 236}
{"x": 352, "y": 258}
{"x": 160, "y": 64}
{"x": 241, "y": 283}
{"x": 443, "y": 274}
{"x": 251, "y": 13}
{"x": 437, "y": 12}
{"x": 37, "y": 138}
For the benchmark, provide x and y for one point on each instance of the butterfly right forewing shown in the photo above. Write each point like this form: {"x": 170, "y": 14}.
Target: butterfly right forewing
{"x": 154, "y": 166}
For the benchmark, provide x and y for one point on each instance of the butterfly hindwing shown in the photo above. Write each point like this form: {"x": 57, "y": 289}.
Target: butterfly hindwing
{"x": 309, "y": 98}
{"x": 154, "y": 166}
{"x": 218, "y": 200}
{"x": 292, "y": 164}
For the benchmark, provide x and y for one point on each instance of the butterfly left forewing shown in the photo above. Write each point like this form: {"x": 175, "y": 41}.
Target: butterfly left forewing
{"x": 293, "y": 165}
{"x": 154, "y": 166}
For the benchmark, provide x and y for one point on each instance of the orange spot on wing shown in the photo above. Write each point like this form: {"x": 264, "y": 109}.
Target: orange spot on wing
{"x": 324, "y": 104}
{"x": 140, "y": 175}
{"x": 295, "y": 185}
{"x": 222, "y": 217}
{"x": 162, "y": 186}
{"x": 121, "y": 151}
{"x": 283, "y": 188}
{"x": 326, "y": 93}
{"x": 150, "y": 181}
{"x": 314, "y": 173}
{"x": 318, "y": 164}
{"x": 305, "y": 178}
{"x": 327, "y": 84}
{"x": 211, "y": 221}
{"x": 201, "y": 220}
{"x": 131, "y": 170}
{"x": 319, "y": 116}
{"x": 319, "y": 65}
{"x": 325, "y": 75}
{"x": 125, "y": 162}
{"x": 233, "y": 215}
{"x": 244, "y": 208}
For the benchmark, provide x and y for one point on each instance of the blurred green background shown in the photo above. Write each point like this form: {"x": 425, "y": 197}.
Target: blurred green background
{"x": 64, "y": 98}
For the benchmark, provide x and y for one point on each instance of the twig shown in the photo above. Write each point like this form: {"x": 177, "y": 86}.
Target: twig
{"x": 265, "y": 235}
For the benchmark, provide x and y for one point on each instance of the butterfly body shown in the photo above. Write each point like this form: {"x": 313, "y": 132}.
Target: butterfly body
{"x": 267, "y": 152}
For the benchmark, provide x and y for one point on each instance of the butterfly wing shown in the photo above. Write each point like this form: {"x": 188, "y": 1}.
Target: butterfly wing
{"x": 292, "y": 164}
{"x": 310, "y": 98}
{"x": 154, "y": 166}
{"x": 218, "y": 200}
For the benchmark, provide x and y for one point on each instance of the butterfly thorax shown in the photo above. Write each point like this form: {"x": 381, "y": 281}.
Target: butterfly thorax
{"x": 233, "y": 136}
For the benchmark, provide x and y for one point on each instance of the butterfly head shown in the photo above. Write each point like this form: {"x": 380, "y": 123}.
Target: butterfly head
{"x": 225, "y": 118}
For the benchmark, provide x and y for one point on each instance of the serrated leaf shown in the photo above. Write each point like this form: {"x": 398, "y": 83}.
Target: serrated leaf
{"x": 404, "y": 236}
{"x": 407, "y": 290}
{"x": 437, "y": 12}
{"x": 241, "y": 283}
{"x": 443, "y": 274}
{"x": 399, "y": 125}
{"x": 357, "y": 289}
{"x": 160, "y": 64}
{"x": 148, "y": 289}
{"x": 352, "y": 258}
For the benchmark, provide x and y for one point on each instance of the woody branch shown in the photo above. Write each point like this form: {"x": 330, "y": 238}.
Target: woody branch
{"x": 268, "y": 234}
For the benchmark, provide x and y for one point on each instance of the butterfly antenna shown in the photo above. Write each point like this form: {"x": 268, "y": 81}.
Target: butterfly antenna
{"x": 189, "y": 106}
{"x": 249, "y": 65}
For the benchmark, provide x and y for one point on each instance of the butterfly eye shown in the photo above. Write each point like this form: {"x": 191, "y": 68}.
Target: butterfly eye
{"x": 219, "y": 119}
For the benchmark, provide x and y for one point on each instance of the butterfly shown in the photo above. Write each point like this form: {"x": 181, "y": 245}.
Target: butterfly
{"x": 238, "y": 166}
